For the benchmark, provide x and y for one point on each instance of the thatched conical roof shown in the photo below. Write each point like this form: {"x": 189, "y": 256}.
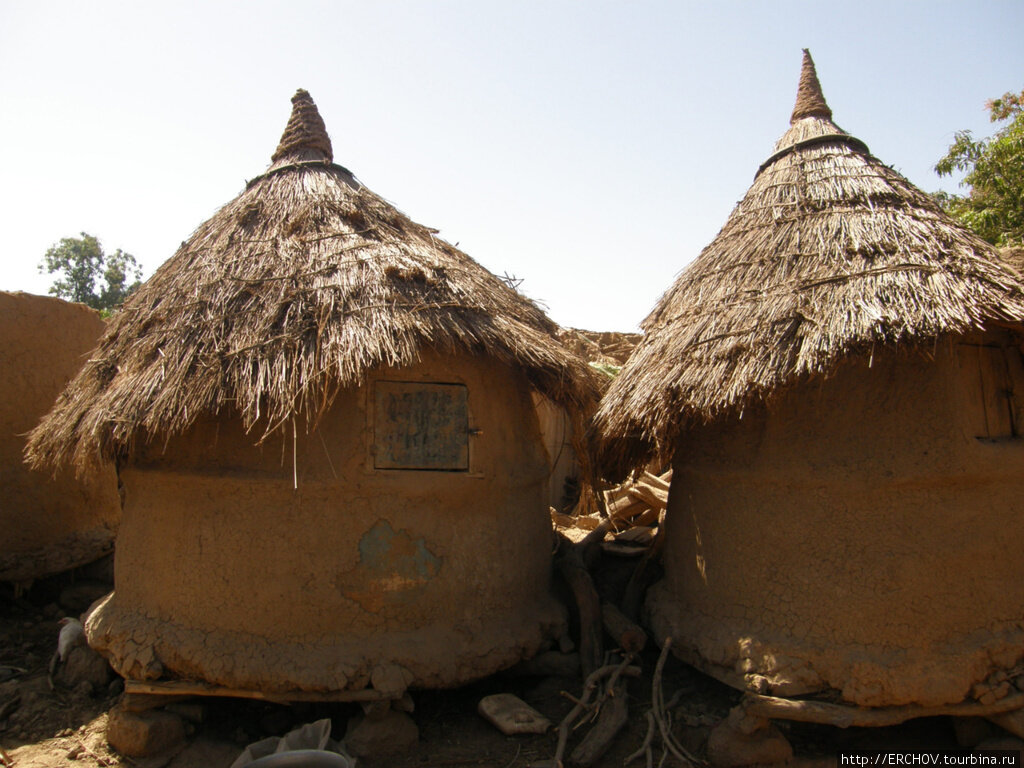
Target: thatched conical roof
{"x": 829, "y": 254}
{"x": 296, "y": 288}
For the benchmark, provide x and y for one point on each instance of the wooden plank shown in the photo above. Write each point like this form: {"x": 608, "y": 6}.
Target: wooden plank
{"x": 194, "y": 688}
{"x": 650, "y": 517}
{"x": 846, "y": 716}
{"x": 653, "y": 497}
{"x": 613, "y": 505}
{"x": 656, "y": 482}
{"x": 630, "y": 509}
{"x": 568, "y": 521}
{"x": 421, "y": 426}
{"x": 587, "y": 523}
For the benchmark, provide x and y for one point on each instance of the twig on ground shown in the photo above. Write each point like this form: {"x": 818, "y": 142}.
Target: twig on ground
{"x": 570, "y": 697}
{"x": 98, "y": 758}
{"x": 519, "y": 748}
{"x": 614, "y": 714}
{"x": 645, "y": 748}
{"x": 661, "y": 716}
{"x": 583, "y": 704}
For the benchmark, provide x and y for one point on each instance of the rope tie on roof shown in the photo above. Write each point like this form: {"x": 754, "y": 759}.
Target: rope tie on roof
{"x": 829, "y": 138}
{"x": 304, "y": 164}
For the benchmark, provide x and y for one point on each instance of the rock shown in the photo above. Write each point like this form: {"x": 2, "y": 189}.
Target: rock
{"x": 971, "y": 731}
{"x": 1000, "y": 742}
{"x": 376, "y": 710}
{"x": 392, "y": 734}
{"x": 391, "y": 679}
{"x": 743, "y": 740}
{"x": 84, "y": 665}
{"x": 78, "y": 597}
{"x": 144, "y": 734}
{"x": 190, "y": 711}
{"x": 1010, "y": 721}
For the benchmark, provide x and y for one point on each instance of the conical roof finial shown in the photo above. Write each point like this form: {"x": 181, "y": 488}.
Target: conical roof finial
{"x": 810, "y": 102}
{"x": 305, "y": 131}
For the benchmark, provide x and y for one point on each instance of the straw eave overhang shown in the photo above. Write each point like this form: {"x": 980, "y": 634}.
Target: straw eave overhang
{"x": 292, "y": 291}
{"x": 829, "y": 256}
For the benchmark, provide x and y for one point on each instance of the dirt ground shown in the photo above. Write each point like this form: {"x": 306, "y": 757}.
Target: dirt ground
{"x": 44, "y": 728}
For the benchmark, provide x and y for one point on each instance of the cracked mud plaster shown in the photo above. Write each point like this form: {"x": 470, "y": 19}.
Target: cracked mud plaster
{"x": 50, "y": 524}
{"x": 230, "y": 575}
{"x": 854, "y": 535}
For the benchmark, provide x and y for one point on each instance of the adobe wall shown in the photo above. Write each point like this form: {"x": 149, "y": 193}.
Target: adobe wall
{"x": 556, "y": 436}
{"x": 361, "y": 576}
{"x": 49, "y": 524}
{"x": 856, "y": 535}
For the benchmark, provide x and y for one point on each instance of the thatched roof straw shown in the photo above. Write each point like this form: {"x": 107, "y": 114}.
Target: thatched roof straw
{"x": 829, "y": 255}
{"x": 293, "y": 290}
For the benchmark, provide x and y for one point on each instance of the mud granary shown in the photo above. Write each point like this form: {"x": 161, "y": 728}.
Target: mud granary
{"x": 50, "y": 522}
{"x": 837, "y": 380}
{"x": 326, "y": 423}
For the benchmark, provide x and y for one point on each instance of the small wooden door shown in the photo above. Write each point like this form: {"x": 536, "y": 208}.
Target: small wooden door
{"x": 421, "y": 426}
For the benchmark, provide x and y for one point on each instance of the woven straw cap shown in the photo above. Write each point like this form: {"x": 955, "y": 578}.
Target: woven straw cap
{"x": 305, "y": 131}
{"x": 810, "y": 102}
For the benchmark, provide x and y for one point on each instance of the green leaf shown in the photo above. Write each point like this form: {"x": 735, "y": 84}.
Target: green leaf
{"x": 87, "y": 275}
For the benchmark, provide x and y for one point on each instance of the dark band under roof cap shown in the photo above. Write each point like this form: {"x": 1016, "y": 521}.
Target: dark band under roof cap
{"x": 810, "y": 102}
{"x": 305, "y": 130}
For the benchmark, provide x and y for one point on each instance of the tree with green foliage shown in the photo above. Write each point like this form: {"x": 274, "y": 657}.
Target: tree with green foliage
{"x": 81, "y": 265}
{"x": 994, "y": 172}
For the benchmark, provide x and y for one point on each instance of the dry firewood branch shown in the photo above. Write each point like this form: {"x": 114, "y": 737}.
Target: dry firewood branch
{"x": 588, "y": 604}
{"x": 643, "y": 574}
{"x": 645, "y": 748}
{"x": 629, "y": 636}
{"x": 661, "y": 715}
{"x": 584, "y": 706}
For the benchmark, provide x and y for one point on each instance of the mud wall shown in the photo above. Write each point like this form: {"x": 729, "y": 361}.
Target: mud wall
{"x": 227, "y": 572}
{"x": 856, "y": 535}
{"x": 563, "y": 463}
{"x": 49, "y": 524}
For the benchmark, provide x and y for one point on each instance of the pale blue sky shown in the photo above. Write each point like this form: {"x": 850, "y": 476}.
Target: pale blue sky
{"x": 590, "y": 148}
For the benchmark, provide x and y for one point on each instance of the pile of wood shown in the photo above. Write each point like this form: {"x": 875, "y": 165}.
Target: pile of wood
{"x": 627, "y": 524}
{"x": 600, "y": 347}
{"x": 634, "y": 513}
